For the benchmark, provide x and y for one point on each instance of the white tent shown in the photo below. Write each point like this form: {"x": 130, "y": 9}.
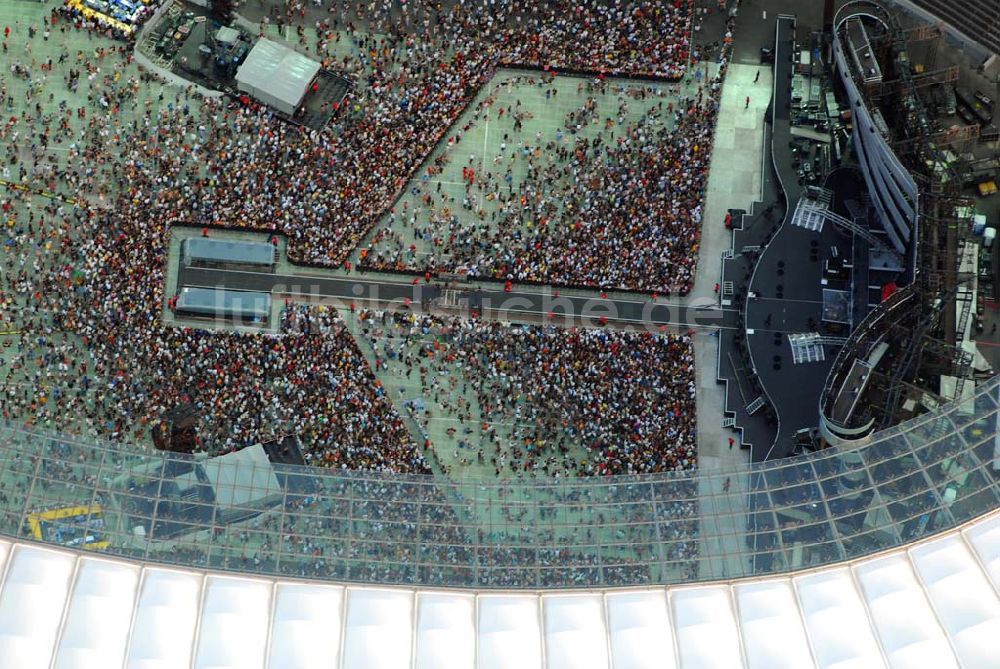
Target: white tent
{"x": 276, "y": 75}
{"x": 242, "y": 478}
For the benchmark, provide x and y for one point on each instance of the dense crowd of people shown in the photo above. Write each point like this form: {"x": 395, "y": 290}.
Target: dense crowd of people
{"x": 85, "y": 346}
{"x": 615, "y": 207}
{"x": 309, "y": 379}
{"x": 328, "y": 190}
{"x": 528, "y": 400}
{"x": 636, "y": 37}
{"x": 103, "y": 24}
{"x": 201, "y": 161}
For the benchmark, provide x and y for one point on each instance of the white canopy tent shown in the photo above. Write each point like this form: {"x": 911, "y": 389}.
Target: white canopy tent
{"x": 276, "y": 75}
{"x": 242, "y": 478}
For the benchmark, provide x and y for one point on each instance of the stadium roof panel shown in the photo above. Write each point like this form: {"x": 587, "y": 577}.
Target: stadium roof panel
{"x": 932, "y": 604}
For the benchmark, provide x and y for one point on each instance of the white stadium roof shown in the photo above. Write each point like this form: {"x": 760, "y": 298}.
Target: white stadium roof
{"x": 933, "y": 604}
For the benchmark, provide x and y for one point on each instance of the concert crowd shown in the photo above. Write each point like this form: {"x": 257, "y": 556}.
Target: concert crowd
{"x": 329, "y": 190}
{"x": 529, "y": 400}
{"x": 88, "y": 282}
{"x": 86, "y": 350}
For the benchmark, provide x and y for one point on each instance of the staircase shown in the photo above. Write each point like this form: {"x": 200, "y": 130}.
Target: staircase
{"x": 755, "y": 406}
{"x": 806, "y": 348}
{"x": 810, "y": 346}
{"x": 809, "y": 212}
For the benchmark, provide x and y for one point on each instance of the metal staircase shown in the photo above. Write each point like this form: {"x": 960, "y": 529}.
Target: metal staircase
{"x": 810, "y": 346}
{"x": 806, "y": 347}
{"x": 809, "y": 211}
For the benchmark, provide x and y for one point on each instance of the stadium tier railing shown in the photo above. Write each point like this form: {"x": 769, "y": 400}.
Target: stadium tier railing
{"x": 909, "y": 482}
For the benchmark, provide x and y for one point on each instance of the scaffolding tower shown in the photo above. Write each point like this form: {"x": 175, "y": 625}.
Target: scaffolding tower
{"x": 926, "y": 336}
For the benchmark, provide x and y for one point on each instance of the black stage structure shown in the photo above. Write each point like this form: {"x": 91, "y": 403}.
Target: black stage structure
{"x": 848, "y": 276}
